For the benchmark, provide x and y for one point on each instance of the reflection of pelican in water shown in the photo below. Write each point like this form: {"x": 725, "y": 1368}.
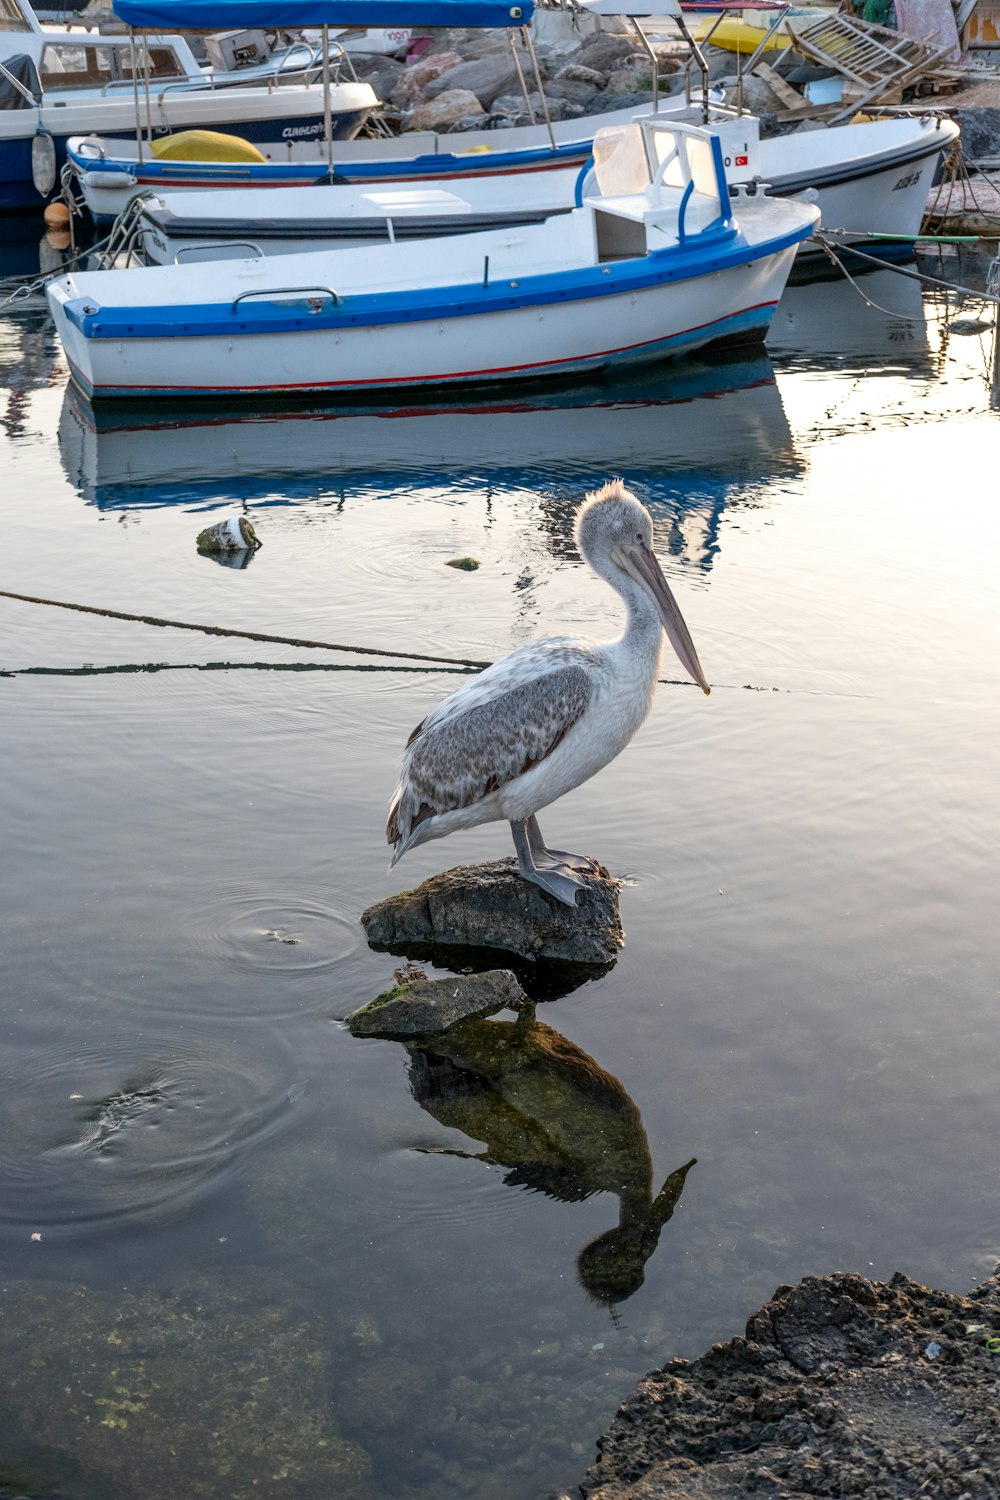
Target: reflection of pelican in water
{"x": 549, "y": 715}
{"x": 562, "y": 1126}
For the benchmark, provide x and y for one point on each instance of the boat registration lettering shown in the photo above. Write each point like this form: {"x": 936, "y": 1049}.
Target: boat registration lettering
{"x": 291, "y": 132}
{"x": 910, "y": 180}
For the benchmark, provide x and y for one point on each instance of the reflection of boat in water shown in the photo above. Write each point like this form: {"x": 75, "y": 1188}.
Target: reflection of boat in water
{"x": 720, "y": 417}
{"x": 560, "y": 1125}
{"x": 825, "y": 322}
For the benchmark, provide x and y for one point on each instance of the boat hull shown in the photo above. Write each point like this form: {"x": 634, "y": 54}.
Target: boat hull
{"x": 279, "y": 118}
{"x": 545, "y": 338}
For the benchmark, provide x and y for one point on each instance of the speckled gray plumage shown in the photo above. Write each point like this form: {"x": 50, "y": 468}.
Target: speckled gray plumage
{"x": 454, "y": 760}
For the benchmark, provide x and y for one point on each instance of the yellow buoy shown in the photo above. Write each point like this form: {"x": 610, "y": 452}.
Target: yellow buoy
{"x": 205, "y": 145}
{"x": 56, "y": 215}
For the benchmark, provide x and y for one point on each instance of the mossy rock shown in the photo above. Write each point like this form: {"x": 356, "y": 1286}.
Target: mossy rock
{"x": 201, "y": 1392}
{"x": 432, "y": 1005}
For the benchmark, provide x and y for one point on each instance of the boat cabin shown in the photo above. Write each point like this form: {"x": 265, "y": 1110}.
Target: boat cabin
{"x": 655, "y": 186}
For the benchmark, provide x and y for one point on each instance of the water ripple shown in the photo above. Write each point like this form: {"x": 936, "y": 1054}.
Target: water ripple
{"x": 135, "y": 1129}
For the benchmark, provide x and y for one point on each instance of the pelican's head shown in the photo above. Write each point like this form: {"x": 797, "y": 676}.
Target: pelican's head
{"x": 615, "y": 534}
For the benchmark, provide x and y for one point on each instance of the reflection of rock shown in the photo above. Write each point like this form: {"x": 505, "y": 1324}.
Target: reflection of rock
{"x": 561, "y": 1124}
{"x": 425, "y": 1006}
{"x": 202, "y": 1393}
{"x": 491, "y": 906}
{"x": 842, "y": 1386}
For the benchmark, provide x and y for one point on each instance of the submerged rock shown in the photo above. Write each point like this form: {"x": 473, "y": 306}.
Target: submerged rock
{"x": 492, "y": 906}
{"x": 203, "y": 1392}
{"x": 834, "y": 1390}
{"x": 424, "y": 1006}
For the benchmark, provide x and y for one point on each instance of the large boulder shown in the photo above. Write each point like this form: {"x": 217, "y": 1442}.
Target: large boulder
{"x": 571, "y": 90}
{"x": 487, "y": 78}
{"x": 604, "y": 51}
{"x": 841, "y": 1386}
{"x": 493, "y": 906}
{"x": 413, "y": 80}
{"x": 444, "y": 112}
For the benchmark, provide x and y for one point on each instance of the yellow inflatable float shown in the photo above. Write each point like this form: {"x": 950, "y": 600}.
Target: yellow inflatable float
{"x": 204, "y": 145}
{"x": 738, "y": 35}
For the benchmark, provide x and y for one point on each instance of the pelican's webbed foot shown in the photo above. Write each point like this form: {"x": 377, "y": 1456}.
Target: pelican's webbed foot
{"x": 542, "y": 869}
{"x": 546, "y": 858}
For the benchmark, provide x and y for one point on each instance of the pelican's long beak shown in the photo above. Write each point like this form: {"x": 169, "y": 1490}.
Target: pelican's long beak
{"x": 641, "y": 562}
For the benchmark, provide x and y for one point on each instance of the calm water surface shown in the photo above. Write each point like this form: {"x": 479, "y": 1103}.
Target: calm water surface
{"x": 318, "y": 1266}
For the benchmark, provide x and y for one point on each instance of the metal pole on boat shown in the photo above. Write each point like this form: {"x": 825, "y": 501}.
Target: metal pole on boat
{"x": 700, "y": 60}
{"x": 149, "y": 102}
{"x": 327, "y": 109}
{"x": 647, "y": 47}
{"x": 529, "y": 43}
{"x": 135, "y": 92}
{"x": 520, "y": 75}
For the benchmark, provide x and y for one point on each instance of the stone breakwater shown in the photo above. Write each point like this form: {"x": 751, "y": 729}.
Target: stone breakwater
{"x": 470, "y": 80}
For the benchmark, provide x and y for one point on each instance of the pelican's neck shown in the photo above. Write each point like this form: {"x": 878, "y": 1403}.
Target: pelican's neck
{"x": 642, "y": 638}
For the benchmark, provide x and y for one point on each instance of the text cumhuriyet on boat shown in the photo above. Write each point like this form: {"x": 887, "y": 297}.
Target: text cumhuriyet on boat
{"x": 657, "y": 259}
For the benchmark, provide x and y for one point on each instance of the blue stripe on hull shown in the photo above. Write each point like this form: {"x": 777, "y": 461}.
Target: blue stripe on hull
{"x": 746, "y": 327}
{"x": 17, "y": 189}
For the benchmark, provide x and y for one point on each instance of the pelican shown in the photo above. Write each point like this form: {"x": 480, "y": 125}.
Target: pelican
{"x": 546, "y": 717}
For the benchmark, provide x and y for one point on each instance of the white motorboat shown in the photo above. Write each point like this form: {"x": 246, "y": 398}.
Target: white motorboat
{"x": 58, "y": 84}
{"x": 656, "y": 260}
{"x": 867, "y": 180}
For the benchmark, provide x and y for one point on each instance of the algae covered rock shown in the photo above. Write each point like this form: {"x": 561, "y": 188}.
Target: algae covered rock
{"x": 226, "y": 538}
{"x": 425, "y": 1006}
{"x": 202, "y": 1392}
{"x": 492, "y": 906}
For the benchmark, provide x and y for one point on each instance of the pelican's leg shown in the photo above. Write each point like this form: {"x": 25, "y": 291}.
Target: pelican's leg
{"x": 559, "y": 881}
{"x": 556, "y": 859}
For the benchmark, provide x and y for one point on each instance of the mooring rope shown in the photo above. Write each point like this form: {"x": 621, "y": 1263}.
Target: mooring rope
{"x": 245, "y": 635}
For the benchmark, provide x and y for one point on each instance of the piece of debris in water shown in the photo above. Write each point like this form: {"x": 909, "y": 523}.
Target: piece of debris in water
{"x": 275, "y": 935}
{"x": 409, "y": 973}
{"x": 233, "y": 535}
{"x": 464, "y": 564}
{"x": 36, "y": 1237}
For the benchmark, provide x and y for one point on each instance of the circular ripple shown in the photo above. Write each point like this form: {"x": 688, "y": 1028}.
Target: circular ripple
{"x": 138, "y": 1130}
{"x": 288, "y": 936}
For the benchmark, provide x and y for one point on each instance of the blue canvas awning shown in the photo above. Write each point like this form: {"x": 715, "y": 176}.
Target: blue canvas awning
{"x": 231, "y": 15}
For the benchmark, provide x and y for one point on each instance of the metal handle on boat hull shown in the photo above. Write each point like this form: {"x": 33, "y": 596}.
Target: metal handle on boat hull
{"x": 281, "y": 291}
{"x": 221, "y": 245}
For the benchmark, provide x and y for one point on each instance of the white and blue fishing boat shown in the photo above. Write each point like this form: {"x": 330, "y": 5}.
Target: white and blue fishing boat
{"x": 657, "y": 259}
{"x": 59, "y": 84}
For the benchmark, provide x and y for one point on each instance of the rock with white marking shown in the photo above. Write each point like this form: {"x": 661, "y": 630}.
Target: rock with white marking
{"x": 226, "y": 538}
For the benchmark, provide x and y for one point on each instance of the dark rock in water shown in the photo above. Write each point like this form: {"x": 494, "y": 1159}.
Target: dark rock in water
{"x": 464, "y": 564}
{"x": 492, "y": 906}
{"x": 841, "y": 1386}
{"x": 429, "y": 1005}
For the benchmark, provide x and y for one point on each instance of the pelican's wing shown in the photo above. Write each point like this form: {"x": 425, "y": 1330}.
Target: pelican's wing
{"x": 484, "y": 736}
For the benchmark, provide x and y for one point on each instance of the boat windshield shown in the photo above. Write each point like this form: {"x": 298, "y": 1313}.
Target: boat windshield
{"x": 75, "y": 65}
{"x": 12, "y": 17}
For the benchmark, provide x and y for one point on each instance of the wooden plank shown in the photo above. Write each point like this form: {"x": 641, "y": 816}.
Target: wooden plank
{"x": 784, "y": 91}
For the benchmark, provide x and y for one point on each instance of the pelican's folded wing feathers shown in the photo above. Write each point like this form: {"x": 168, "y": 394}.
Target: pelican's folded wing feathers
{"x": 458, "y": 755}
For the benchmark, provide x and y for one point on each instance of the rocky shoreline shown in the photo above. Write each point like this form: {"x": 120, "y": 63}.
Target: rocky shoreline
{"x": 840, "y": 1387}
{"x": 468, "y": 79}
